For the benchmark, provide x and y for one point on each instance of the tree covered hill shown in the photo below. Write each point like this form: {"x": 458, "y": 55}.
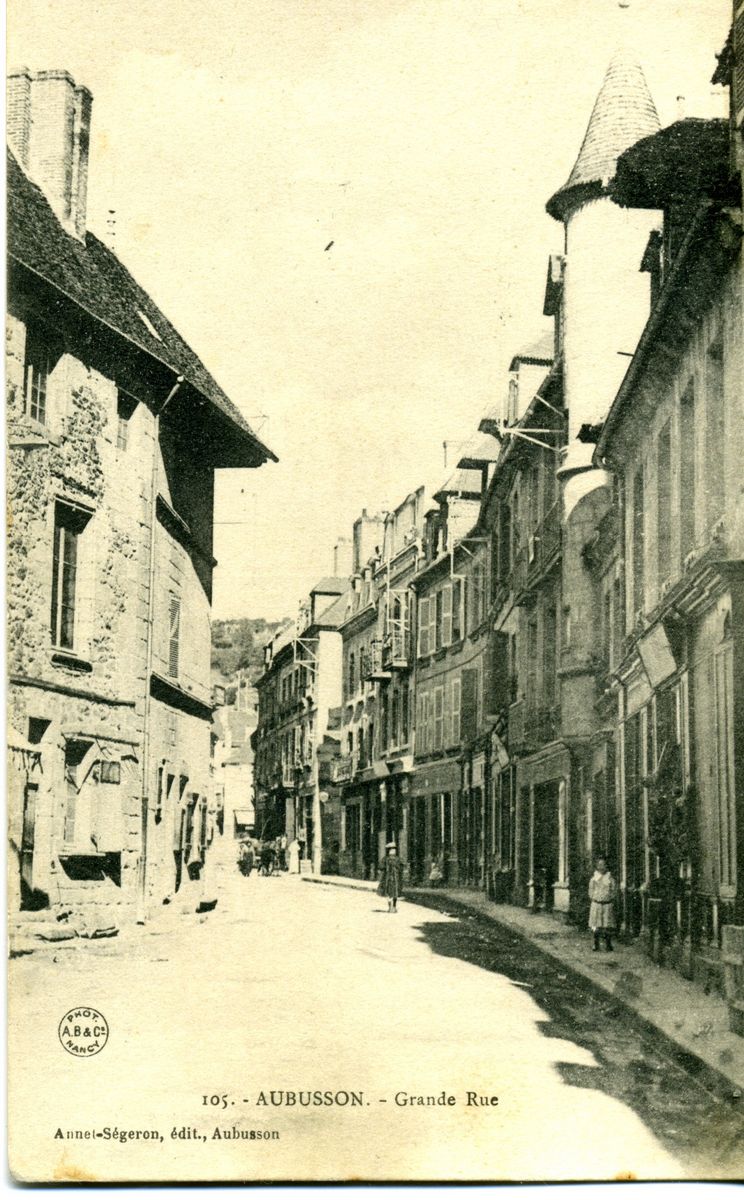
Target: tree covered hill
{"x": 238, "y": 645}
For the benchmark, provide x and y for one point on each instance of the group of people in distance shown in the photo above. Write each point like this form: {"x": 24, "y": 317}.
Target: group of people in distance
{"x": 269, "y": 855}
{"x": 282, "y": 855}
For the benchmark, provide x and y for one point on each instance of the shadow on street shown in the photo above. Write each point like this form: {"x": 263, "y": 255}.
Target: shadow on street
{"x": 701, "y": 1130}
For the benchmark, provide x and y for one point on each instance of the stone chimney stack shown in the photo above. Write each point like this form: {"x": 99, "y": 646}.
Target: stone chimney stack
{"x": 49, "y": 130}
{"x": 18, "y": 109}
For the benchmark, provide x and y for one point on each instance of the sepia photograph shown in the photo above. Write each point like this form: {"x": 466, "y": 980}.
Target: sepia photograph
{"x": 375, "y": 591}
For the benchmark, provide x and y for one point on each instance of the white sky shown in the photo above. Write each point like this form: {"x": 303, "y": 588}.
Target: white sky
{"x": 423, "y": 137}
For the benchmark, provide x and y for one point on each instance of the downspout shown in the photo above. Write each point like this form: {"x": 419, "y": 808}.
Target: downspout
{"x": 145, "y": 799}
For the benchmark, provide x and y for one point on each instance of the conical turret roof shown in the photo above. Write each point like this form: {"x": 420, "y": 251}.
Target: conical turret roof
{"x": 623, "y": 113}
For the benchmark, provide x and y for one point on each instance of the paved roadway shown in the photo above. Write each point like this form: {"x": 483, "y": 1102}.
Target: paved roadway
{"x": 295, "y": 987}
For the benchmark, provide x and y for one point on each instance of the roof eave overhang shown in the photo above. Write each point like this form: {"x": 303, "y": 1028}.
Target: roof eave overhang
{"x": 260, "y": 453}
{"x": 678, "y": 276}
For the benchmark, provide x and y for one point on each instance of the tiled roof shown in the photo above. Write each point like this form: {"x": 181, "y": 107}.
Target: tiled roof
{"x": 623, "y": 113}
{"x": 466, "y": 484}
{"x": 90, "y": 275}
{"x": 330, "y": 585}
{"x": 481, "y": 449}
{"x": 334, "y": 616}
{"x": 688, "y": 159}
{"x": 540, "y": 351}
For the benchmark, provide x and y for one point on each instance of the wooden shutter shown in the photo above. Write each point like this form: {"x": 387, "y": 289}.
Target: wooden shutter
{"x": 455, "y": 711}
{"x": 497, "y": 694}
{"x": 438, "y": 718}
{"x": 432, "y": 625}
{"x": 469, "y": 703}
{"x": 174, "y": 635}
{"x": 423, "y": 627}
{"x": 447, "y": 614}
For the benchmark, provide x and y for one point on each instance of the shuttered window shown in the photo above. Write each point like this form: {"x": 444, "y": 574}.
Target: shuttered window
{"x": 174, "y": 635}
{"x": 457, "y": 626}
{"x": 447, "y": 614}
{"x": 438, "y": 739}
{"x": 455, "y": 713}
{"x": 638, "y": 541}
{"x": 715, "y": 431}
{"x": 664, "y": 501}
{"x": 423, "y": 628}
{"x": 687, "y": 470}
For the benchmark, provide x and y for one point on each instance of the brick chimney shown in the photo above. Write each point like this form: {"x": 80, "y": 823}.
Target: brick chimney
{"x": 49, "y": 130}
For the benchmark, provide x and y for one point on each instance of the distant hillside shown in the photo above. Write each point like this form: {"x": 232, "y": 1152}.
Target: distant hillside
{"x": 238, "y": 645}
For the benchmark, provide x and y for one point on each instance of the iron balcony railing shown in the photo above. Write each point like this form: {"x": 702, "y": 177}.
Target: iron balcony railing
{"x": 396, "y": 650}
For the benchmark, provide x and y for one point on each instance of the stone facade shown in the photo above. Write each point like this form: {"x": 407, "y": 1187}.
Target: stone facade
{"x": 114, "y": 431}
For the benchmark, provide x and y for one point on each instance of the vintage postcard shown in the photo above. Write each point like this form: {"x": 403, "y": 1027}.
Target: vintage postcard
{"x": 375, "y": 590}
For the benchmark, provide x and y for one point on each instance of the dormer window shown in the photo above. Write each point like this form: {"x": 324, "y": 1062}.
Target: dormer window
{"x": 36, "y": 375}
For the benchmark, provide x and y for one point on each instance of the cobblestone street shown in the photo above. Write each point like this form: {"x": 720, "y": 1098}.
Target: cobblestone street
{"x": 298, "y": 989}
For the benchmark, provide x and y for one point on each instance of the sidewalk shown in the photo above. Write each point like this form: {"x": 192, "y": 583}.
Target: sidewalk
{"x": 695, "y": 1025}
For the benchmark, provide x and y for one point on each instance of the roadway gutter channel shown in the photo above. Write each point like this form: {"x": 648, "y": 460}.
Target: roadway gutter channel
{"x": 721, "y": 1086}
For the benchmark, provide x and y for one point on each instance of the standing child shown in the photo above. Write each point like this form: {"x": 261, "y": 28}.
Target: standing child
{"x": 602, "y": 893}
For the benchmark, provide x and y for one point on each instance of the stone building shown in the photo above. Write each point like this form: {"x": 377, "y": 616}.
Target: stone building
{"x": 674, "y": 440}
{"x": 377, "y": 717}
{"x": 233, "y": 728}
{"x": 298, "y": 695}
{"x": 447, "y": 794}
{"x": 115, "y": 429}
{"x": 521, "y": 515}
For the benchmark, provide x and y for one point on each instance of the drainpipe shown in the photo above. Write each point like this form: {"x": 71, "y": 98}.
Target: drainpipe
{"x": 145, "y": 800}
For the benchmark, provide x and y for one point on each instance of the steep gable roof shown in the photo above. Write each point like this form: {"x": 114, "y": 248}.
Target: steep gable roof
{"x": 91, "y": 275}
{"x": 623, "y": 113}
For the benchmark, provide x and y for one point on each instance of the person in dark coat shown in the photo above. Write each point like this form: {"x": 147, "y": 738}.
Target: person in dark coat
{"x": 391, "y": 877}
{"x": 267, "y": 858}
{"x": 246, "y": 858}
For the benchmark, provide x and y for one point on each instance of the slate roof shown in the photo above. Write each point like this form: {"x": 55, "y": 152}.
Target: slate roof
{"x": 334, "y": 616}
{"x": 465, "y": 484}
{"x": 686, "y": 160}
{"x": 91, "y": 275}
{"x": 539, "y": 352}
{"x": 623, "y": 113}
{"x": 330, "y": 585}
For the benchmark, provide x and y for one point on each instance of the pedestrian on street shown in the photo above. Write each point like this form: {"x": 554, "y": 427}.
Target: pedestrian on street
{"x": 283, "y": 852}
{"x": 603, "y": 894}
{"x": 246, "y": 859}
{"x": 267, "y": 858}
{"x": 391, "y": 875}
{"x": 294, "y": 857}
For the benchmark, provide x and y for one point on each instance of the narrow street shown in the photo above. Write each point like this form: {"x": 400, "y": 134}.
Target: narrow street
{"x": 292, "y": 987}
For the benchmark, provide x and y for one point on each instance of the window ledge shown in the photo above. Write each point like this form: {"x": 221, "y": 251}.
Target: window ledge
{"x": 71, "y": 660}
{"x": 25, "y": 430}
{"x": 81, "y": 852}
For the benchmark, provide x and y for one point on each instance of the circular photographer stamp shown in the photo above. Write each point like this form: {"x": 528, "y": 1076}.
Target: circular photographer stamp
{"x": 83, "y": 1031}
